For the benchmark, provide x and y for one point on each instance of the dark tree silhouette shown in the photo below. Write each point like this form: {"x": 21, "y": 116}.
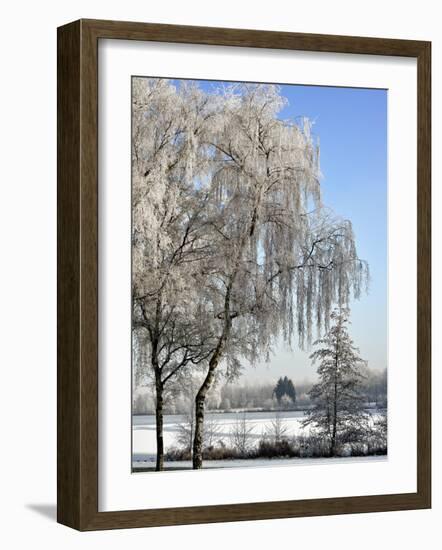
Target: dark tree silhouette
{"x": 284, "y": 386}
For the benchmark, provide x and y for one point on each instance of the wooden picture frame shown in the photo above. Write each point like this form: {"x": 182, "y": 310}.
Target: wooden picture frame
{"x": 77, "y": 226}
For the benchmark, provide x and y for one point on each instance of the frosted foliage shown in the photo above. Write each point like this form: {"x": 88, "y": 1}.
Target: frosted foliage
{"x": 279, "y": 258}
{"x": 168, "y": 157}
{"x": 230, "y": 239}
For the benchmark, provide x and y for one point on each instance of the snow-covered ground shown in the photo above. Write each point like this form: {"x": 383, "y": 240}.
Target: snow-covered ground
{"x": 144, "y": 444}
{"x": 253, "y": 463}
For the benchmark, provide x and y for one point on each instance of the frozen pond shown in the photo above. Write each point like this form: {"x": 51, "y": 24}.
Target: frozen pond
{"x": 144, "y": 444}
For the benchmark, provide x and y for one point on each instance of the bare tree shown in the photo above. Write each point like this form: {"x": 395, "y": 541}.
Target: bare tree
{"x": 212, "y": 431}
{"x": 186, "y": 427}
{"x": 241, "y": 434}
{"x": 278, "y": 430}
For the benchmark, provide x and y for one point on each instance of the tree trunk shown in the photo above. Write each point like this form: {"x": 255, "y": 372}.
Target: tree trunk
{"x": 333, "y": 439}
{"x": 335, "y": 405}
{"x": 159, "y": 424}
{"x": 197, "y": 458}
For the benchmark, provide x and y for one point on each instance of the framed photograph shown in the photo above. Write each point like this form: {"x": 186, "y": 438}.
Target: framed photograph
{"x": 243, "y": 274}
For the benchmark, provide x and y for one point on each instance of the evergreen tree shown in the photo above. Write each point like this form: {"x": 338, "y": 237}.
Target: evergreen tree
{"x": 284, "y": 386}
{"x": 279, "y": 390}
{"x": 338, "y": 413}
{"x": 290, "y": 390}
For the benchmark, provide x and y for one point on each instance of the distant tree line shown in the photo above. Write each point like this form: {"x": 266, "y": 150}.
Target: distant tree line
{"x": 375, "y": 387}
{"x": 254, "y": 396}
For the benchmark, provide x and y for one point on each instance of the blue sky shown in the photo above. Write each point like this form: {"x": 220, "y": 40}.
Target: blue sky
{"x": 351, "y": 124}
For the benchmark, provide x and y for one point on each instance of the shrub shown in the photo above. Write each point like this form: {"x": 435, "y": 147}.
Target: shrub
{"x": 275, "y": 449}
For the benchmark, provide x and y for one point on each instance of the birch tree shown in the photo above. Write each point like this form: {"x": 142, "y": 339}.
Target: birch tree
{"x": 278, "y": 264}
{"x": 166, "y": 249}
{"x": 338, "y": 414}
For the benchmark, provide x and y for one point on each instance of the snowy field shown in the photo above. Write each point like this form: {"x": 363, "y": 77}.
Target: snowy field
{"x": 144, "y": 445}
